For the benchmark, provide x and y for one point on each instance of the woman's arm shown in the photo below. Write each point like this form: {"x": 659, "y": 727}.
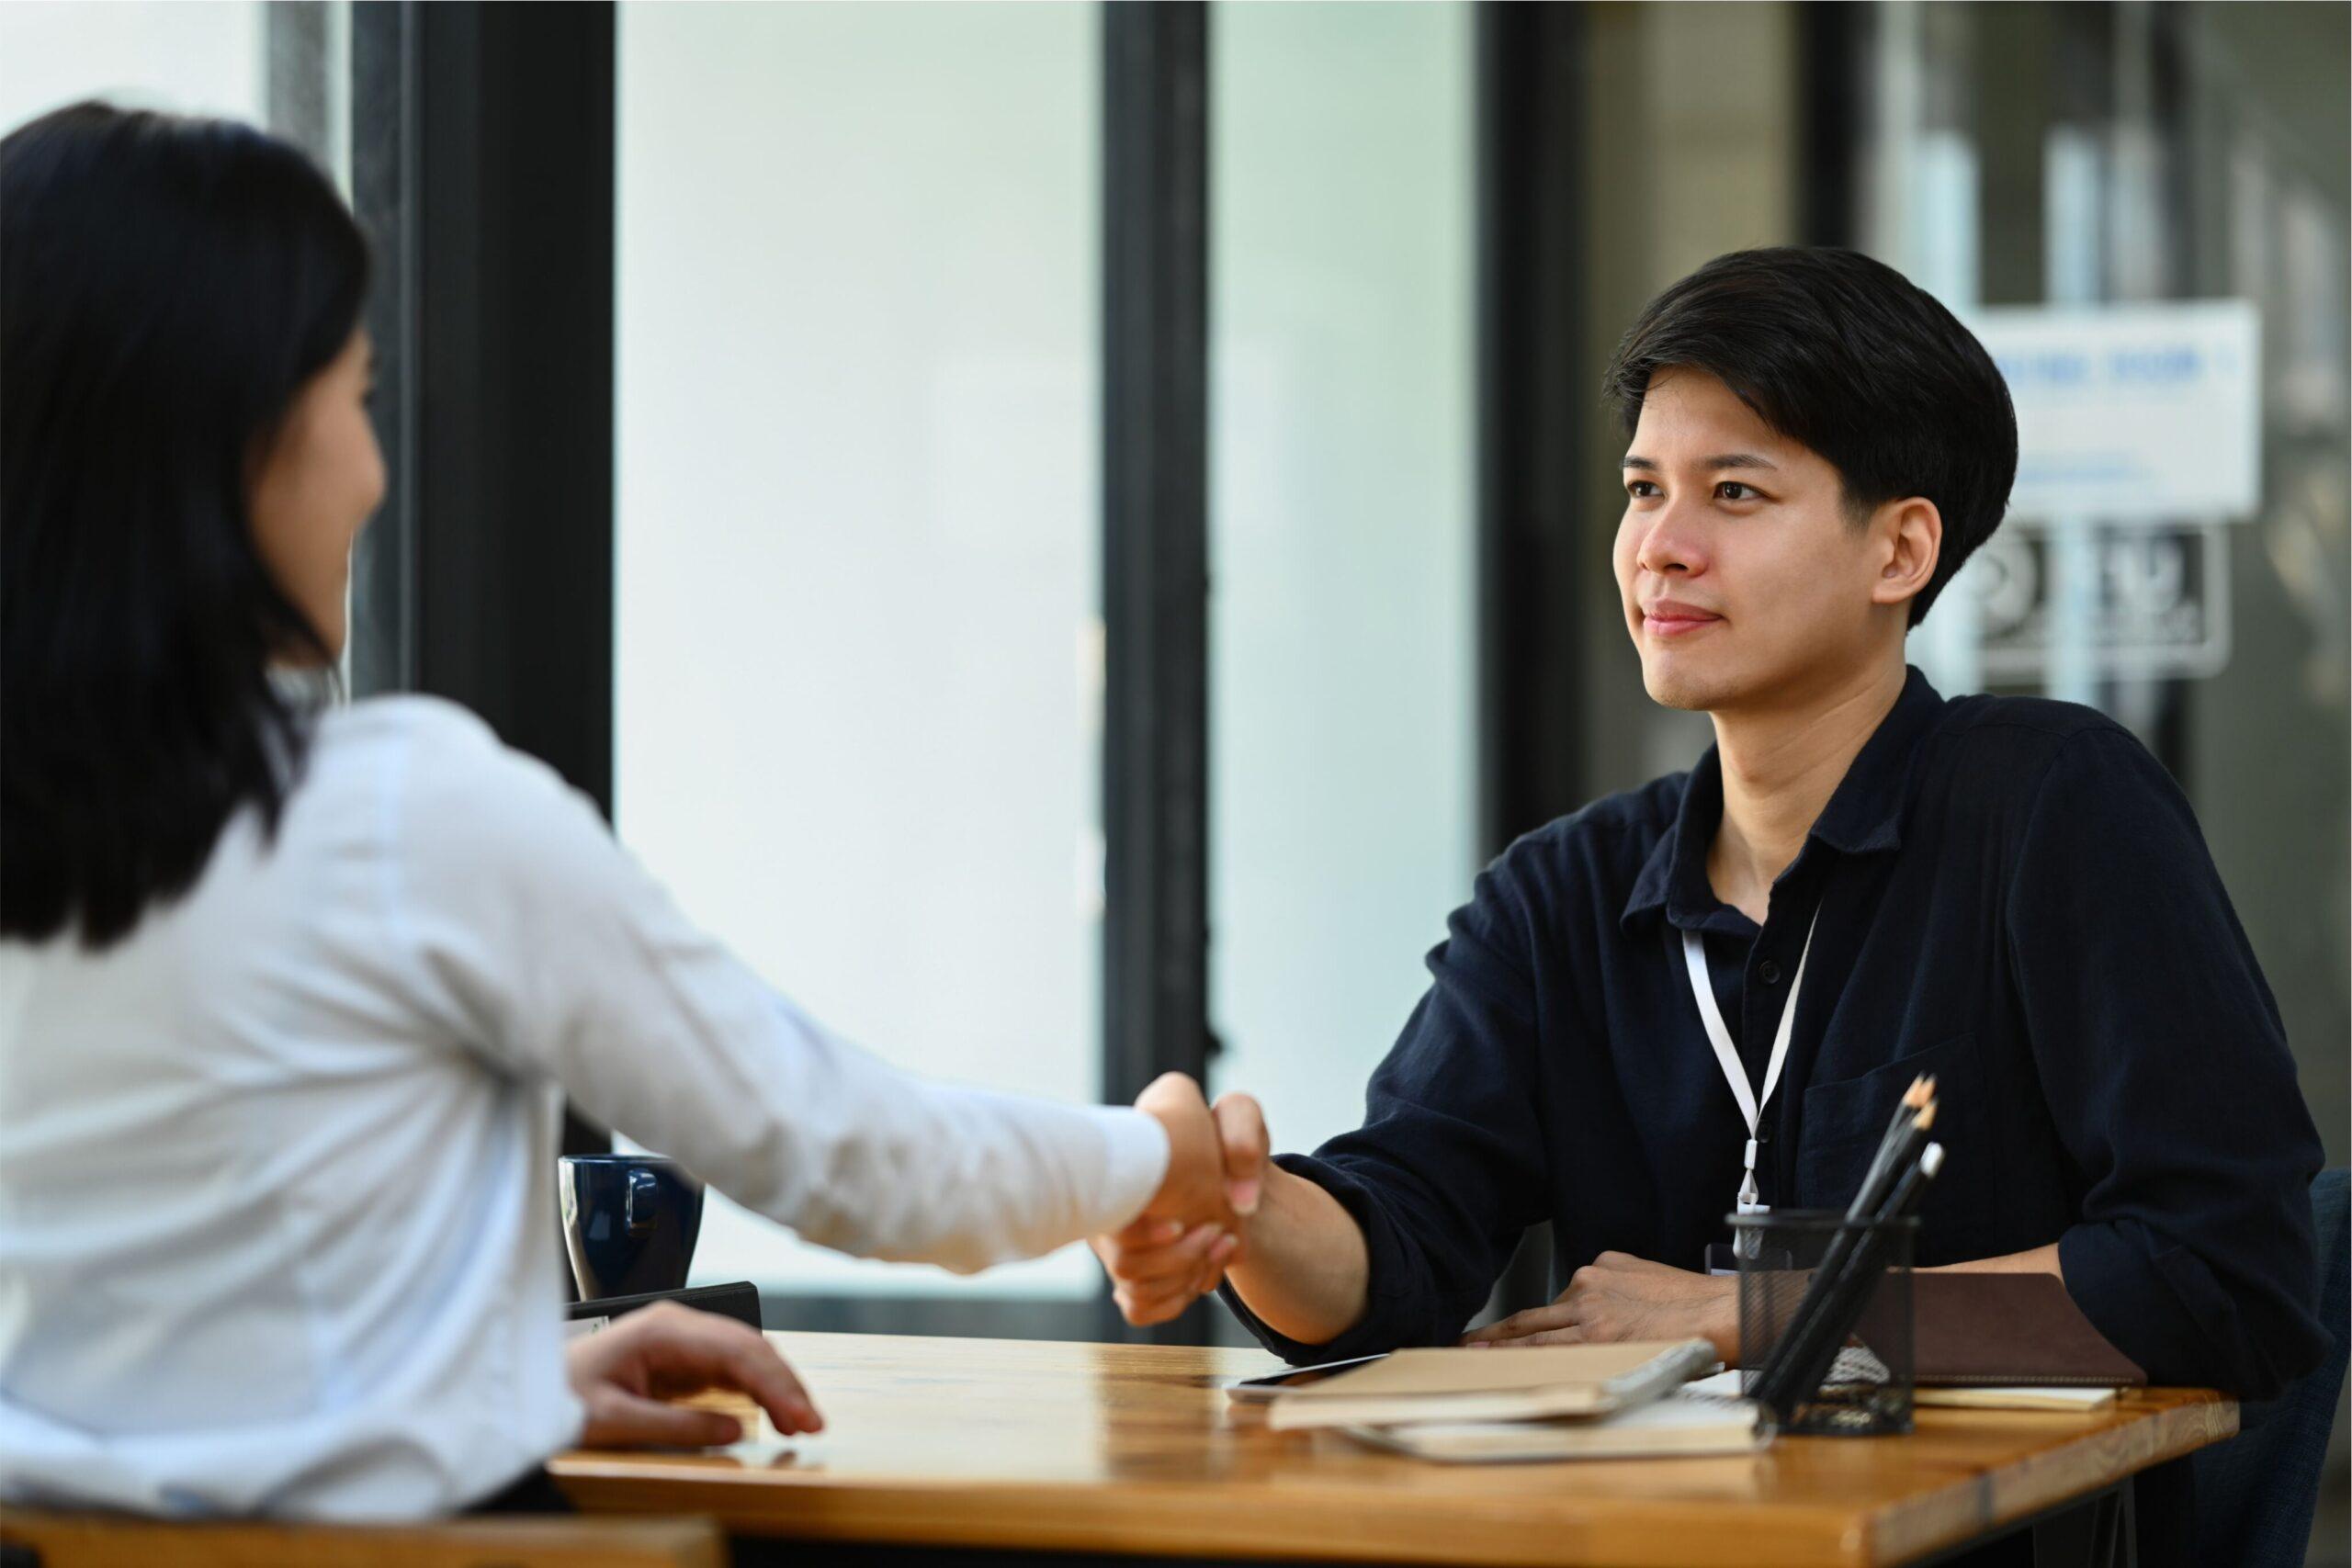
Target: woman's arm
{"x": 543, "y": 946}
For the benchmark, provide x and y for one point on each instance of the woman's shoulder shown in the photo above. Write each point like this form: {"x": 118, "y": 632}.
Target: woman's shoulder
{"x": 427, "y": 738}
{"x": 404, "y": 721}
{"x": 431, "y": 760}
{"x": 445, "y": 787}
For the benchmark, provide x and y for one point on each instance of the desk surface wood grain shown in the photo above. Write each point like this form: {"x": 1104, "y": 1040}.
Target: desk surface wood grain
{"x": 1136, "y": 1449}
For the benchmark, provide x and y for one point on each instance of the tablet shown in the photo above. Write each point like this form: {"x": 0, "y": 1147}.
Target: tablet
{"x": 1272, "y": 1383}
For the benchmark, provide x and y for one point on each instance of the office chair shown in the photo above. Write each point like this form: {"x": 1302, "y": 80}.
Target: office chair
{"x": 2255, "y": 1494}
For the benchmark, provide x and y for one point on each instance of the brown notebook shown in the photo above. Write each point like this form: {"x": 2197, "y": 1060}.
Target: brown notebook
{"x": 2013, "y": 1329}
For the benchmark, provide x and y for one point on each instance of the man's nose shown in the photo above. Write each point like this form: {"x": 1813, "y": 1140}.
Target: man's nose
{"x": 1668, "y": 547}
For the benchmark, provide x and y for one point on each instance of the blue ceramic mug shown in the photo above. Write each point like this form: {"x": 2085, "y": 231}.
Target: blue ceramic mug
{"x": 629, "y": 1221}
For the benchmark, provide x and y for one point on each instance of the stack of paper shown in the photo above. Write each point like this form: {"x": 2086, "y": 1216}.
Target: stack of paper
{"x": 1532, "y": 1403}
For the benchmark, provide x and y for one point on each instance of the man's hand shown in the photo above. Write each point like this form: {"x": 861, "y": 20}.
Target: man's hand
{"x": 1175, "y": 1252}
{"x": 624, "y": 1374}
{"x": 1618, "y": 1297}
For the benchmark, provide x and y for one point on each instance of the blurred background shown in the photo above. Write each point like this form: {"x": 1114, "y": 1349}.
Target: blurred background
{"x": 1070, "y": 533}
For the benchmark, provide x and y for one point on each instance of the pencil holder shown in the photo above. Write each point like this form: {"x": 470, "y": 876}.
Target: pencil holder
{"x": 1817, "y": 1291}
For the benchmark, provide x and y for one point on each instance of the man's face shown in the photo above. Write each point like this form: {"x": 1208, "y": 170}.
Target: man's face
{"x": 1743, "y": 583}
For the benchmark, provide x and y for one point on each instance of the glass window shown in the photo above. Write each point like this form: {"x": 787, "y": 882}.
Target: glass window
{"x": 857, "y": 665}
{"x": 2172, "y": 154}
{"x": 203, "y": 58}
{"x": 1343, "y": 755}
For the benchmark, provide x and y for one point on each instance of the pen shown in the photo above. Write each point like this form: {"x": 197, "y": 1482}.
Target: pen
{"x": 1917, "y": 1097}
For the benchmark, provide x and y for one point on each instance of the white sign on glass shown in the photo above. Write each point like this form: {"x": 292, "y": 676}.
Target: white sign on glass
{"x": 2132, "y": 413}
{"x": 2156, "y": 606}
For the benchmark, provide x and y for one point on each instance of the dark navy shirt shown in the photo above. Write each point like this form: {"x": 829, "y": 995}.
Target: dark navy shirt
{"x": 2013, "y": 895}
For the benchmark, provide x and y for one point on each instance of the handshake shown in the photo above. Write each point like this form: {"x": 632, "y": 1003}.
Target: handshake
{"x": 1198, "y": 1223}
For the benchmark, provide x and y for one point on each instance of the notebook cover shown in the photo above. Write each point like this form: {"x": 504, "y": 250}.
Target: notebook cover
{"x": 1460, "y": 1369}
{"x": 1498, "y": 1384}
{"x": 2008, "y": 1329}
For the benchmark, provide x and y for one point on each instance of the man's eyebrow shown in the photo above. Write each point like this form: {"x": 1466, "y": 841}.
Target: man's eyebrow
{"x": 1724, "y": 460}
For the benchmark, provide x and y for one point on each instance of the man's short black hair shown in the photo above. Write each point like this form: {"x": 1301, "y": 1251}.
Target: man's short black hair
{"x": 1851, "y": 359}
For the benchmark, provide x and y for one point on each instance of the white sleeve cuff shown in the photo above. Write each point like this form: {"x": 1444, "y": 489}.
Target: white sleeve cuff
{"x": 1135, "y": 1155}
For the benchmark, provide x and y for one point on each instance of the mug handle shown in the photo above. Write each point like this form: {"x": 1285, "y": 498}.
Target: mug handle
{"x": 638, "y": 1220}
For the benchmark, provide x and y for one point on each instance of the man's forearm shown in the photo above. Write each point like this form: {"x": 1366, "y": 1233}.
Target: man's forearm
{"x": 1304, "y": 1271}
{"x": 2042, "y": 1260}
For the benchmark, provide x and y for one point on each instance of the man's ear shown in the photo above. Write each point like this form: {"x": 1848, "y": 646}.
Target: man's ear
{"x": 1908, "y": 539}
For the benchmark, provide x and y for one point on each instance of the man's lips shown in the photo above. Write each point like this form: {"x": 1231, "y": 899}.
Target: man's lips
{"x": 1666, "y": 618}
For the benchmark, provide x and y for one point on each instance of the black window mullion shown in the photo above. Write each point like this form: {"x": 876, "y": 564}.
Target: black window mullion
{"x": 1536, "y": 392}
{"x": 482, "y": 168}
{"x": 1537, "y": 389}
{"x": 383, "y": 174}
{"x": 1155, "y": 554}
{"x": 514, "y": 502}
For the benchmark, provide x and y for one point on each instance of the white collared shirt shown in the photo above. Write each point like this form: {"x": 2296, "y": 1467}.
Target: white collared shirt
{"x": 277, "y": 1171}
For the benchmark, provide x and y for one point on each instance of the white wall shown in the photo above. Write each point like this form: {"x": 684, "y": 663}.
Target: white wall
{"x": 1344, "y": 753}
{"x": 193, "y": 57}
{"x": 857, "y": 713}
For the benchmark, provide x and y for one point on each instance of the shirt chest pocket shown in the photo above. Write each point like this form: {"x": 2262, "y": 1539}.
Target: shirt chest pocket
{"x": 1845, "y": 1120}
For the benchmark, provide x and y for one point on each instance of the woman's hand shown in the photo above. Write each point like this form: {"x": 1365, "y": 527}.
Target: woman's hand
{"x": 624, "y": 1373}
{"x": 1617, "y": 1297}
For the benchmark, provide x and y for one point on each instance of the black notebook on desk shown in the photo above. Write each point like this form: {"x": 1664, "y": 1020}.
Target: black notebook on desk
{"x": 739, "y": 1301}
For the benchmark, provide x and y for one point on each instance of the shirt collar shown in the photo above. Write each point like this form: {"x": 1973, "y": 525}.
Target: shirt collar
{"x": 1864, "y": 816}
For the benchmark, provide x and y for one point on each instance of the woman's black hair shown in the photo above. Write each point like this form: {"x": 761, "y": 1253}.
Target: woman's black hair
{"x": 1849, "y": 358}
{"x": 167, "y": 286}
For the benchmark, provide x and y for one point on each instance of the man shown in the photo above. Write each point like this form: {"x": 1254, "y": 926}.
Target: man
{"x": 2009, "y": 894}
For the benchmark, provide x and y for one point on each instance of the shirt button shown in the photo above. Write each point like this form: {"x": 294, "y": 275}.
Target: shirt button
{"x": 1769, "y": 972}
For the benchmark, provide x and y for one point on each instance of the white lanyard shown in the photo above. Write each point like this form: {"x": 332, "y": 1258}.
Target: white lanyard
{"x": 1695, "y": 956}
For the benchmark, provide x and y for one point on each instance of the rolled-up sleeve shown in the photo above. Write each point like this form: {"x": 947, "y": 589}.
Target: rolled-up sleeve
{"x": 2166, "y": 1069}
{"x": 1448, "y": 1169}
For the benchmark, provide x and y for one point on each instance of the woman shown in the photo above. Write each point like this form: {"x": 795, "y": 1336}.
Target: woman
{"x": 289, "y": 994}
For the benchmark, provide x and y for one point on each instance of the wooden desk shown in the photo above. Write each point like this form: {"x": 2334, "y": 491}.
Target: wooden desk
{"x": 1010, "y": 1444}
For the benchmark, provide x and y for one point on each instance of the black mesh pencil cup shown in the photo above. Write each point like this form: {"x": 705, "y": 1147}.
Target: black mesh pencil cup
{"x": 1824, "y": 1320}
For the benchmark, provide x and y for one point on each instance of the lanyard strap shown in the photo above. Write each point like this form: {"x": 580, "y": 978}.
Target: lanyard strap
{"x": 1694, "y": 958}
